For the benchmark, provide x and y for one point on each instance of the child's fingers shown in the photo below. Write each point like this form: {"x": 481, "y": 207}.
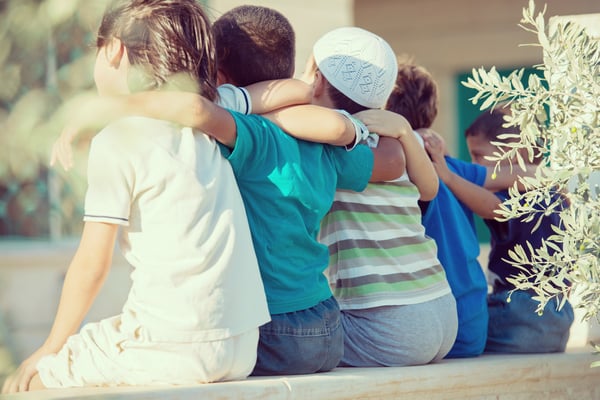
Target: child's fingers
{"x": 366, "y": 117}
{"x": 61, "y": 152}
{"x": 7, "y": 384}
{"x": 54, "y": 154}
{"x": 66, "y": 154}
{"x": 430, "y": 144}
{"x": 63, "y": 149}
{"x": 378, "y": 128}
{"x": 16, "y": 382}
{"x": 25, "y": 379}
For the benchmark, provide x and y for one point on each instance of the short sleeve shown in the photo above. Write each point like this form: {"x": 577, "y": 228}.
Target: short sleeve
{"x": 474, "y": 173}
{"x": 110, "y": 178}
{"x": 354, "y": 167}
{"x": 234, "y": 98}
{"x": 257, "y": 138}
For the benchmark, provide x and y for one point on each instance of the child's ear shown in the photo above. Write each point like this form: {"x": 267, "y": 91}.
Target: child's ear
{"x": 319, "y": 84}
{"x": 115, "y": 51}
{"x": 310, "y": 69}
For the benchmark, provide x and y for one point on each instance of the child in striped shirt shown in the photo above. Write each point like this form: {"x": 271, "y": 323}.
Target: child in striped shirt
{"x": 397, "y": 306}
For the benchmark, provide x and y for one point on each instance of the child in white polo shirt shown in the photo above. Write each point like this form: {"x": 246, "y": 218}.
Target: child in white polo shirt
{"x": 197, "y": 299}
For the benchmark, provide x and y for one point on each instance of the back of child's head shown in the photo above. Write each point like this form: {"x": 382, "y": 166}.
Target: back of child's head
{"x": 415, "y": 95}
{"x": 169, "y": 43}
{"x": 490, "y": 124}
{"x": 359, "y": 66}
{"x": 254, "y": 44}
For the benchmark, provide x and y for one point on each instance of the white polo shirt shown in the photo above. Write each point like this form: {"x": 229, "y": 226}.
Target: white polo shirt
{"x": 184, "y": 230}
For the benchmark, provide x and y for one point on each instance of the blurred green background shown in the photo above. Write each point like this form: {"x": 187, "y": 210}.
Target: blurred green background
{"x": 46, "y": 56}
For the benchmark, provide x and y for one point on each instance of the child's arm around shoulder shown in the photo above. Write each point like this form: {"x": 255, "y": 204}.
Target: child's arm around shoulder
{"x": 315, "y": 124}
{"x": 418, "y": 166}
{"x": 206, "y": 116}
{"x": 269, "y": 96}
{"x": 480, "y": 200}
{"x": 506, "y": 177}
{"x": 183, "y": 108}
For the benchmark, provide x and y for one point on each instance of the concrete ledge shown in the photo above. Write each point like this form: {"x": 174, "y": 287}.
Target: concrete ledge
{"x": 505, "y": 377}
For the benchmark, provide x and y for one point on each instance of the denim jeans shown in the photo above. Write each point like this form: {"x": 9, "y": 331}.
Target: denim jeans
{"x": 515, "y": 327}
{"x": 301, "y": 342}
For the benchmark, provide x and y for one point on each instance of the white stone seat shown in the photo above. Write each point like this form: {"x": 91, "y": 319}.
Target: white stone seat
{"x": 507, "y": 377}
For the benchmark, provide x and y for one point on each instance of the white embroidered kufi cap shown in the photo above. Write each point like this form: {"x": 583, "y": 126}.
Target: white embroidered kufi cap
{"x": 358, "y": 63}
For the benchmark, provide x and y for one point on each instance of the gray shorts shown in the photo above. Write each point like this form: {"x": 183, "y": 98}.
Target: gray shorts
{"x": 394, "y": 336}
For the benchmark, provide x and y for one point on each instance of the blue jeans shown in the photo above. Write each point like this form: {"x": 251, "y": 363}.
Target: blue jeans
{"x": 301, "y": 342}
{"x": 515, "y": 327}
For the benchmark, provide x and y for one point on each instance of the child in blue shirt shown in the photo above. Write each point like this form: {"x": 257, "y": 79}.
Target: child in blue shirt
{"x": 514, "y": 325}
{"x": 449, "y": 217}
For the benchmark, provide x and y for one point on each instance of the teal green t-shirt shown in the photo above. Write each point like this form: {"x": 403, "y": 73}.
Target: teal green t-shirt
{"x": 288, "y": 186}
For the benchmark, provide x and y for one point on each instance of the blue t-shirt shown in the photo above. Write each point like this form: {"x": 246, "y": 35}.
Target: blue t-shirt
{"x": 288, "y": 186}
{"x": 451, "y": 224}
{"x": 506, "y": 235}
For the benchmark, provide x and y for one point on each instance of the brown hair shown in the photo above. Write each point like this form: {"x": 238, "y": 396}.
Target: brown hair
{"x": 164, "y": 38}
{"x": 254, "y": 44}
{"x": 415, "y": 95}
{"x": 343, "y": 102}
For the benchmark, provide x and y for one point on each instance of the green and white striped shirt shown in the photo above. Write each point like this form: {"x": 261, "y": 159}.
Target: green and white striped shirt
{"x": 379, "y": 253}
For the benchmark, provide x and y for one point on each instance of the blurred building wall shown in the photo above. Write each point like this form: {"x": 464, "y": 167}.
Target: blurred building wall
{"x": 310, "y": 19}
{"x": 447, "y": 37}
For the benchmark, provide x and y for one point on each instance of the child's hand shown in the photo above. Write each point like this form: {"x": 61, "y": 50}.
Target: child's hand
{"x": 385, "y": 123}
{"x": 62, "y": 150}
{"x": 436, "y": 148}
{"x": 20, "y": 380}
{"x": 83, "y": 113}
{"x": 434, "y": 142}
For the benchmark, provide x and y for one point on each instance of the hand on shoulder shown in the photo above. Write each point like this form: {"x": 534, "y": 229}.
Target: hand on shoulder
{"x": 385, "y": 123}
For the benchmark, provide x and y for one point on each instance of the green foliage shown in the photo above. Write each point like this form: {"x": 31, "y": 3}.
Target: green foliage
{"x": 558, "y": 116}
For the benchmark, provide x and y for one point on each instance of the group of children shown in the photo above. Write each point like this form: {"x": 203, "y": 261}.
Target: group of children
{"x": 300, "y": 227}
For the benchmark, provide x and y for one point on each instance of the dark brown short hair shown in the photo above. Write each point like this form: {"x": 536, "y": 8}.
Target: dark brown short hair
{"x": 342, "y": 102}
{"x": 490, "y": 124}
{"x": 164, "y": 38}
{"x": 415, "y": 95}
{"x": 254, "y": 44}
